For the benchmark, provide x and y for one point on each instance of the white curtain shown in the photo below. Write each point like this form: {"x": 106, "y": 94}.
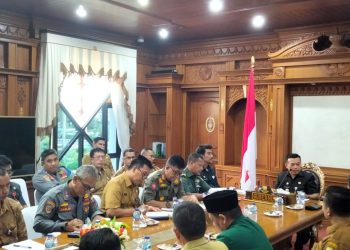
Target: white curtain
{"x": 61, "y": 55}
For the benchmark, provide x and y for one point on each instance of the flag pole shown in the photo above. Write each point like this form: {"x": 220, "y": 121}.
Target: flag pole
{"x": 252, "y": 62}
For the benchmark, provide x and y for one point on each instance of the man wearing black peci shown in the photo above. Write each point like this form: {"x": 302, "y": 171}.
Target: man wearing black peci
{"x": 296, "y": 180}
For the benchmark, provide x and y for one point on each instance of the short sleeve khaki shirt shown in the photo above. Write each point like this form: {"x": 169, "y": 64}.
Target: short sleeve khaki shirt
{"x": 104, "y": 176}
{"x": 107, "y": 164}
{"x": 120, "y": 193}
{"x": 12, "y": 226}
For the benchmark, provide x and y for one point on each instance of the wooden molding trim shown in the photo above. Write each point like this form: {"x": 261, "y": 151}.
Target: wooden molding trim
{"x": 319, "y": 89}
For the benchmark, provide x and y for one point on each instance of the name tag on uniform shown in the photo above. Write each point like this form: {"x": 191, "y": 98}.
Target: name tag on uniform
{"x": 299, "y": 182}
{"x": 64, "y": 207}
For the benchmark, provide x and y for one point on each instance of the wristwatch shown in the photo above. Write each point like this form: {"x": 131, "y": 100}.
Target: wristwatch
{"x": 168, "y": 204}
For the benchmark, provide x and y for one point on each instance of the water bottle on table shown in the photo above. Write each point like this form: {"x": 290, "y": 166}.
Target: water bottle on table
{"x": 147, "y": 245}
{"x": 136, "y": 219}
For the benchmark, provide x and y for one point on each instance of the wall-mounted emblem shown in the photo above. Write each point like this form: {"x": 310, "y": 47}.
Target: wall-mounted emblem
{"x": 210, "y": 124}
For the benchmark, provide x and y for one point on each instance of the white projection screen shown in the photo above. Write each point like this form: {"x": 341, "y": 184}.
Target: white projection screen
{"x": 321, "y": 130}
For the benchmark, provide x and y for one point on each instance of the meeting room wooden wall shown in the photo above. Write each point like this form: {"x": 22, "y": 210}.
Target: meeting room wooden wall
{"x": 208, "y": 83}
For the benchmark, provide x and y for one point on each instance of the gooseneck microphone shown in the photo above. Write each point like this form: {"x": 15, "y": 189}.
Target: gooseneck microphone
{"x": 284, "y": 177}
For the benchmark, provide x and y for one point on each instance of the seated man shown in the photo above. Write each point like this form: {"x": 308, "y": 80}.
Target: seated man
{"x": 121, "y": 194}
{"x": 190, "y": 226}
{"x": 99, "y": 142}
{"x": 128, "y": 155}
{"x": 148, "y": 153}
{"x": 12, "y": 226}
{"x": 237, "y": 231}
{"x": 97, "y": 156}
{"x": 15, "y": 191}
{"x": 67, "y": 206}
{"x": 191, "y": 180}
{"x": 164, "y": 184}
{"x": 294, "y": 179}
{"x": 208, "y": 174}
{"x": 336, "y": 207}
{"x": 103, "y": 238}
{"x": 51, "y": 175}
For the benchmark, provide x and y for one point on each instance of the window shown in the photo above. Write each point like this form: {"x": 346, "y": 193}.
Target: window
{"x": 73, "y": 141}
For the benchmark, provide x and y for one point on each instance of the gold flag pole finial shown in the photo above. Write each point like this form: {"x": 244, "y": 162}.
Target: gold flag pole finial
{"x": 252, "y": 61}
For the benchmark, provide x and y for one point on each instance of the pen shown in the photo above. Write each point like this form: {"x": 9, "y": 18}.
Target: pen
{"x": 15, "y": 245}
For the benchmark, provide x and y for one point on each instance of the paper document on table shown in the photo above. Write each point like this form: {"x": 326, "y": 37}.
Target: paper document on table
{"x": 25, "y": 245}
{"x": 159, "y": 215}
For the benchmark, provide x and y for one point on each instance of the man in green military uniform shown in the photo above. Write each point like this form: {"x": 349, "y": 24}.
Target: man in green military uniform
{"x": 336, "y": 207}
{"x": 236, "y": 229}
{"x": 191, "y": 180}
{"x": 164, "y": 184}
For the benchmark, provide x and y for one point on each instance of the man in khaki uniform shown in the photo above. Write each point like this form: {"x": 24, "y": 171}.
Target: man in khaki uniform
{"x": 97, "y": 156}
{"x": 99, "y": 142}
{"x": 12, "y": 226}
{"x": 190, "y": 226}
{"x": 336, "y": 207}
{"x": 191, "y": 179}
{"x": 164, "y": 184}
{"x": 121, "y": 195}
{"x": 128, "y": 155}
{"x": 149, "y": 154}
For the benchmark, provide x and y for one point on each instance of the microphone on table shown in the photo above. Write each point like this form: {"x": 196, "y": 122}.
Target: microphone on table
{"x": 285, "y": 176}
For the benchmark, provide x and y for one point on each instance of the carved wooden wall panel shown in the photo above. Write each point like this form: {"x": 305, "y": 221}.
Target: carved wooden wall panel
{"x": 3, "y": 95}
{"x": 204, "y": 120}
{"x": 203, "y": 73}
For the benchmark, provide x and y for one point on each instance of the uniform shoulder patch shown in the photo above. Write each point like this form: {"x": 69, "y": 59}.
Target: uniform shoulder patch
{"x": 49, "y": 206}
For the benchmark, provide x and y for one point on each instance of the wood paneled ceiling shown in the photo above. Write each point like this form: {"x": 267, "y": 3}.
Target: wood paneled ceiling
{"x": 186, "y": 19}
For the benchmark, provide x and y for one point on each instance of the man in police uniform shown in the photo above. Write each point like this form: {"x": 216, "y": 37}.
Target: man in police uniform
{"x": 99, "y": 142}
{"x": 128, "y": 155}
{"x": 149, "y": 154}
{"x": 15, "y": 191}
{"x": 12, "y": 226}
{"x": 97, "y": 156}
{"x": 51, "y": 175}
{"x": 67, "y": 206}
{"x": 121, "y": 195}
{"x": 236, "y": 229}
{"x": 191, "y": 180}
{"x": 164, "y": 184}
{"x": 296, "y": 180}
{"x": 336, "y": 207}
{"x": 208, "y": 174}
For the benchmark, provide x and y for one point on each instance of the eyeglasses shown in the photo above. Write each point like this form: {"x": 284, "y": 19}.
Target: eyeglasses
{"x": 9, "y": 171}
{"x": 85, "y": 186}
{"x": 143, "y": 173}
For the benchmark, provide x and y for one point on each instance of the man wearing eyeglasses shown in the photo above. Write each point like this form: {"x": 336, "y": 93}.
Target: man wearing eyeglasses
{"x": 121, "y": 195}
{"x": 99, "y": 142}
{"x": 67, "y": 206}
{"x": 162, "y": 186}
{"x": 15, "y": 192}
{"x": 97, "y": 156}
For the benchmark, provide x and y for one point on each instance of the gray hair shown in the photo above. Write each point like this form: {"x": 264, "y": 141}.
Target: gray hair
{"x": 86, "y": 171}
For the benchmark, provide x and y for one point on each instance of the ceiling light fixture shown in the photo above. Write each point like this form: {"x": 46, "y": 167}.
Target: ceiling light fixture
{"x": 216, "y": 6}
{"x": 258, "y": 21}
{"x": 81, "y": 11}
{"x": 143, "y": 3}
{"x": 163, "y": 33}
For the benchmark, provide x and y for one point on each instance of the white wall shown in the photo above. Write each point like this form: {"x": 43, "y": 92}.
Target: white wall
{"x": 321, "y": 130}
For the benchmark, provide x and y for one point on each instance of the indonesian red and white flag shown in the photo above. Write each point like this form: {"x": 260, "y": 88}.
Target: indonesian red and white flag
{"x": 248, "y": 159}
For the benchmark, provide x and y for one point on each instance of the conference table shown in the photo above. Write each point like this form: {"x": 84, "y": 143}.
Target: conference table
{"x": 277, "y": 229}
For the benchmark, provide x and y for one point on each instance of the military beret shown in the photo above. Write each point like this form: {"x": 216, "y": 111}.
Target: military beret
{"x": 221, "y": 201}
